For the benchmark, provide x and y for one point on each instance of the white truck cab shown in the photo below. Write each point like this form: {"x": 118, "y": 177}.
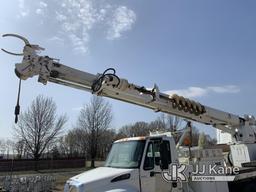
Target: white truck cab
{"x": 137, "y": 164}
{"x": 133, "y": 164}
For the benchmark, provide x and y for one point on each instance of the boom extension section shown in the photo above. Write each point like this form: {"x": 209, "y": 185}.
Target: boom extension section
{"x": 108, "y": 84}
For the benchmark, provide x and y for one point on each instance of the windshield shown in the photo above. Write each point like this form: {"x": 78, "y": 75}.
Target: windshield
{"x": 125, "y": 154}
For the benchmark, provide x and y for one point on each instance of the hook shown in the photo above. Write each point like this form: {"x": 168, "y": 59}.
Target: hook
{"x": 19, "y": 37}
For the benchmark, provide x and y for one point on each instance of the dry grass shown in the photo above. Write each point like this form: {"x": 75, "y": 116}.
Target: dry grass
{"x": 61, "y": 175}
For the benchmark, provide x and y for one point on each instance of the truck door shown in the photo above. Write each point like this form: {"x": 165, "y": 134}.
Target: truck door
{"x": 150, "y": 172}
{"x": 147, "y": 170}
{"x": 161, "y": 185}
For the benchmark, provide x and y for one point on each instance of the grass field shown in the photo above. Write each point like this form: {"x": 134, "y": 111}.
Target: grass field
{"x": 61, "y": 175}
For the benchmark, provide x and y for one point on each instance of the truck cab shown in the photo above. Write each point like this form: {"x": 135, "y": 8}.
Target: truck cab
{"x": 133, "y": 164}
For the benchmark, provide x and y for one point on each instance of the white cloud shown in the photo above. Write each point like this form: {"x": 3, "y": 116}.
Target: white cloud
{"x": 39, "y": 11}
{"x": 193, "y": 92}
{"x": 76, "y": 20}
{"x": 189, "y": 92}
{"x": 43, "y": 4}
{"x": 42, "y": 7}
{"x": 122, "y": 21}
{"x": 78, "y": 43}
{"x": 60, "y": 17}
{"x": 23, "y": 10}
{"x": 56, "y": 40}
{"x": 225, "y": 89}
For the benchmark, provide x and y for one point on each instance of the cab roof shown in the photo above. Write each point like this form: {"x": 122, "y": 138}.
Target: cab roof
{"x": 131, "y": 139}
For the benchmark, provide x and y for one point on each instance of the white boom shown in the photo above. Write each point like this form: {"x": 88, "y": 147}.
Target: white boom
{"x": 108, "y": 84}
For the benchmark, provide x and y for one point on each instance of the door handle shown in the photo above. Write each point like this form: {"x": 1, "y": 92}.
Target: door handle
{"x": 152, "y": 174}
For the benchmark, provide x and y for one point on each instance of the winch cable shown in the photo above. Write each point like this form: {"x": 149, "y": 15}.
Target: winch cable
{"x": 17, "y": 107}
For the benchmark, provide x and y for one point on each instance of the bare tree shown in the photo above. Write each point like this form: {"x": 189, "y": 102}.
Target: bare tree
{"x": 105, "y": 143}
{"x": 77, "y": 141}
{"x": 95, "y": 117}
{"x": 9, "y": 147}
{"x": 157, "y": 125}
{"x": 173, "y": 123}
{"x": 162, "y": 123}
{"x": 20, "y": 147}
{"x": 125, "y": 131}
{"x": 139, "y": 128}
{"x": 39, "y": 126}
{"x": 2, "y": 148}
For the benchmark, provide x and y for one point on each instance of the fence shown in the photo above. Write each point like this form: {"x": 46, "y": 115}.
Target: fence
{"x": 29, "y": 164}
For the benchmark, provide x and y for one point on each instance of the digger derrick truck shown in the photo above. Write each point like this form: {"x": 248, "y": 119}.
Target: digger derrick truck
{"x": 143, "y": 164}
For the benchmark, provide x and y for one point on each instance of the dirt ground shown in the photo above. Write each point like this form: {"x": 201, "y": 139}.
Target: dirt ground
{"x": 61, "y": 175}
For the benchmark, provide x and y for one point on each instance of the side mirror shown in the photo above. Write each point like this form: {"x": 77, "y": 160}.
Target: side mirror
{"x": 164, "y": 155}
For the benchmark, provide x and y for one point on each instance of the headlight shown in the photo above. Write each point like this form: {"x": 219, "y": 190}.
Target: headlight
{"x": 73, "y": 186}
{"x": 70, "y": 188}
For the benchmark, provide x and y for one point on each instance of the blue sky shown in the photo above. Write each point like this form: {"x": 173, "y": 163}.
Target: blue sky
{"x": 203, "y": 49}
